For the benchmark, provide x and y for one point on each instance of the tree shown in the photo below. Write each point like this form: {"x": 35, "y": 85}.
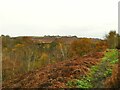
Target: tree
{"x": 112, "y": 39}
{"x": 118, "y": 46}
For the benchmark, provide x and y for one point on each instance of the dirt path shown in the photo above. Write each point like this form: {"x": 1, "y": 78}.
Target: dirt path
{"x": 55, "y": 75}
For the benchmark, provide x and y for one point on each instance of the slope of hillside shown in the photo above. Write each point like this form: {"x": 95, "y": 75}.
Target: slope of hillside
{"x": 55, "y": 75}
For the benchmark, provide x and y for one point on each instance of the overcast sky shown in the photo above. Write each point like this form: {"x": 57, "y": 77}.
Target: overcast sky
{"x": 83, "y": 18}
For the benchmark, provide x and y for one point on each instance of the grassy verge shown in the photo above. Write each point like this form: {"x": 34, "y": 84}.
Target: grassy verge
{"x": 98, "y": 73}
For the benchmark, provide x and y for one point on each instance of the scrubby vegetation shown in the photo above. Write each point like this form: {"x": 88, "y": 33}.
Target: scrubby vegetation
{"x": 23, "y": 54}
{"x": 98, "y": 73}
{"x": 56, "y": 61}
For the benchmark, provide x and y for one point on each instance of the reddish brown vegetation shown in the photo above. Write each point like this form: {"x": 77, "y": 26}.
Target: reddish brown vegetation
{"x": 84, "y": 46}
{"x": 114, "y": 80}
{"x": 55, "y": 75}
